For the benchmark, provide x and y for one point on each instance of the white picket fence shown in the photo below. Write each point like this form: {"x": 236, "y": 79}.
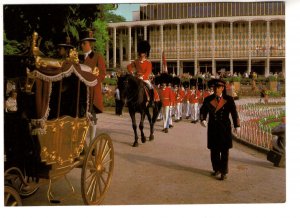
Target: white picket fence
{"x": 250, "y": 112}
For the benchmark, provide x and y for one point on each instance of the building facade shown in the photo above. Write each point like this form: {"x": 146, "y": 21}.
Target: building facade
{"x": 204, "y": 37}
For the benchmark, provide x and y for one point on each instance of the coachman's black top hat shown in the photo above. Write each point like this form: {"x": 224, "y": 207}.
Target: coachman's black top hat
{"x": 143, "y": 47}
{"x": 87, "y": 35}
{"x": 67, "y": 44}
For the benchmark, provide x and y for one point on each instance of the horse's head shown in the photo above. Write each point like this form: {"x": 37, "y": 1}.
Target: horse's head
{"x": 129, "y": 87}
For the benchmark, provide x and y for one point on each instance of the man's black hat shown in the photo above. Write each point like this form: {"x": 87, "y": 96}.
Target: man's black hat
{"x": 67, "y": 43}
{"x": 87, "y": 35}
{"x": 216, "y": 83}
{"x": 143, "y": 47}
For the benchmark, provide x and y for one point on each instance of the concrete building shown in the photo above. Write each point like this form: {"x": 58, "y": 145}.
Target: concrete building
{"x": 204, "y": 37}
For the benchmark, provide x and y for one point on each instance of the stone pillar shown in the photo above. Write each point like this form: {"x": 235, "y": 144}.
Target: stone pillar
{"x": 161, "y": 46}
{"x": 283, "y": 67}
{"x": 195, "y": 49}
{"x": 129, "y": 43}
{"x": 250, "y": 47}
{"x": 145, "y": 32}
{"x": 107, "y": 54}
{"x": 178, "y": 49}
{"x": 114, "y": 47}
{"x": 231, "y": 47}
{"x": 135, "y": 44}
{"x": 267, "y": 69}
{"x": 121, "y": 48}
{"x": 213, "y": 49}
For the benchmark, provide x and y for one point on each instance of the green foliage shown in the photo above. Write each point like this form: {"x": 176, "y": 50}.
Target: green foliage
{"x": 110, "y": 81}
{"x": 12, "y": 46}
{"x": 101, "y": 34}
{"x": 236, "y": 79}
{"x": 51, "y": 20}
{"x": 272, "y": 78}
{"x": 109, "y": 101}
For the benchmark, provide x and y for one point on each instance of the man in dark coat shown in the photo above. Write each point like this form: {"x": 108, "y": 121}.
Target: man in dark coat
{"x": 97, "y": 64}
{"x": 219, "y": 138}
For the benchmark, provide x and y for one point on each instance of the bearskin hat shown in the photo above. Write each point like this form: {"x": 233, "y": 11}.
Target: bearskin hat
{"x": 176, "y": 81}
{"x": 186, "y": 84}
{"x": 193, "y": 82}
{"x": 165, "y": 78}
{"x": 143, "y": 47}
{"x": 200, "y": 83}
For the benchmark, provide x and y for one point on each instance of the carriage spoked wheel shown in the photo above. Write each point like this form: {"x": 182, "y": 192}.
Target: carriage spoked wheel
{"x": 11, "y": 197}
{"x": 97, "y": 170}
{"x": 14, "y": 178}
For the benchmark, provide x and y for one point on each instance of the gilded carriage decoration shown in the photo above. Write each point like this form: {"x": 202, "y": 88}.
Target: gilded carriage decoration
{"x": 54, "y": 117}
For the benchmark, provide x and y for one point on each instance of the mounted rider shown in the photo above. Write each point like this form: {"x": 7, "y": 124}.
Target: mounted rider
{"x": 143, "y": 69}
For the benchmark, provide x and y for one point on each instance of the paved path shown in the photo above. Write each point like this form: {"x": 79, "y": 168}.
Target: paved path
{"x": 175, "y": 169}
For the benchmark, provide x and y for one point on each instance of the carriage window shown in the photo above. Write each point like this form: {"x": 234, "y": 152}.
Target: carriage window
{"x": 64, "y": 97}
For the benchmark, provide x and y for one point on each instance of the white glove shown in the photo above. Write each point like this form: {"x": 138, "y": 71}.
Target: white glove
{"x": 204, "y": 123}
{"x": 238, "y": 130}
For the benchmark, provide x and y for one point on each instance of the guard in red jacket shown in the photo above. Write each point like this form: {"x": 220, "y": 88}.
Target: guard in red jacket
{"x": 97, "y": 64}
{"x": 172, "y": 105}
{"x": 179, "y": 95}
{"x": 165, "y": 96}
{"x": 194, "y": 101}
{"x": 186, "y": 101}
{"x": 142, "y": 68}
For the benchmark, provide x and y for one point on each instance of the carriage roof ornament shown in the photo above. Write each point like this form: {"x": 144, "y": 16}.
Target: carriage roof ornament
{"x": 40, "y": 59}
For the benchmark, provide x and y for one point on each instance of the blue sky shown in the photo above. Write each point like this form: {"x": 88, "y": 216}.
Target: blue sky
{"x": 126, "y": 9}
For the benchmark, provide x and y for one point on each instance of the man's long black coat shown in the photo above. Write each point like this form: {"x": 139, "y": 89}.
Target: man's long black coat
{"x": 219, "y": 125}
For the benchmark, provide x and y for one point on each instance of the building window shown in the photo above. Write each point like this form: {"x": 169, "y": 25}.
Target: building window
{"x": 213, "y": 9}
{"x": 209, "y": 9}
{"x": 262, "y": 8}
{"x": 166, "y": 11}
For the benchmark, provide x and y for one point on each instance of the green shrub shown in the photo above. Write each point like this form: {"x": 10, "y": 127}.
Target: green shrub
{"x": 109, "y": 101}
{"x": 110, "y": 81}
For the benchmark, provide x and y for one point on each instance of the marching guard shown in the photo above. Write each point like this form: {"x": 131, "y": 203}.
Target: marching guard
{"x": 194, "y": 101}
{"x": 165, "y": 95}
{"x": 179, "y": 95}
{"x": 186, "y": 101}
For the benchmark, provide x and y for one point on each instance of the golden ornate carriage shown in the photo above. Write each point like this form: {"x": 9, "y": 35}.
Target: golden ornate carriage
{"x": 57, "y": 132}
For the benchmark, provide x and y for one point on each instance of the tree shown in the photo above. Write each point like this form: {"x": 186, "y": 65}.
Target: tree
{"x": 52, "y": 21}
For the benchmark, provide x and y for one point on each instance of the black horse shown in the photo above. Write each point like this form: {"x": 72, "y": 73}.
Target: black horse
{"x": 133, "y": 92}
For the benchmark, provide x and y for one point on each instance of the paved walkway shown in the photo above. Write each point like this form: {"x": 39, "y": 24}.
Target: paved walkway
{"x": 175, "y": 169}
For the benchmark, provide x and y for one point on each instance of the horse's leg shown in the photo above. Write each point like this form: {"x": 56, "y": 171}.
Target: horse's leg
{"x": 134, "y": 127}
{"x": 151, "y": 137}
{"x": 141, "y": 126}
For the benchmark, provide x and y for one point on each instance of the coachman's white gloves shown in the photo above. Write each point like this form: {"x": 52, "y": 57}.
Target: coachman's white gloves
{"x": 238, "y": 130}
{"x": 204, "y": 123}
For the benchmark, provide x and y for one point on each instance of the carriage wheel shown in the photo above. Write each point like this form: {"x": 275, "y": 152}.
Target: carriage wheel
{"x": 11, "y": 197}
{"x": 97, "y": 170}
{"x": 14, "y": 177}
